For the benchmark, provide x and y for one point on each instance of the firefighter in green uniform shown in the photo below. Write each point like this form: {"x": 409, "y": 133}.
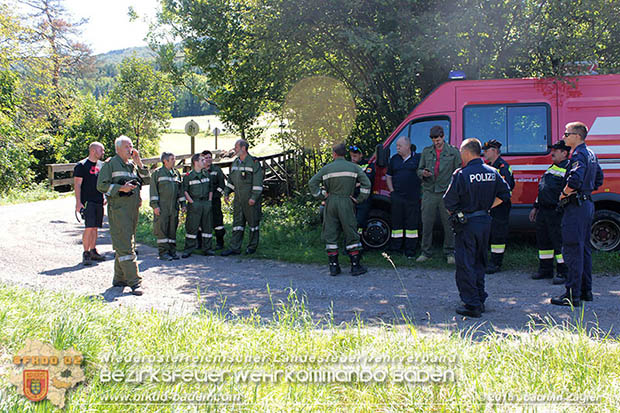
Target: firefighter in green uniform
{"x": 166, "y": 197}
{"x": 198, "y": 190}
{"x": 120, "y": 180}
{"x": 219, "y": 181}
{"x": 339, "y": 179}
{"x": 246, "y": 181}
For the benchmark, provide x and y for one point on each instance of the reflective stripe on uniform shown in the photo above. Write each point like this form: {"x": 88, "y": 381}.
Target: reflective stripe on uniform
{"x": 411, "y": 233}
{"x": 123, "y": 173}
{"x": 254, "y": 228}
{"x": 242, "y": 168}
{"x": 190, "y": 236}
{"x": 205, "y": 235}
{"x": 172, "y": 241}
{"x": 559, "y": 259}
{"x": 257, "y": 188}
{"x": 556, "y": 171}
{"x": 545, "y": 254}
{"x": 397, "y": 233}
{"x": 162, "y": 241}
{"x": 339, "y": 175}
{"x": 219, "y": 228}
{"x": 199, "y": 181}
{"x": 182, "y": 199}
{"x": 213, "y": 173}
{"x": 238, "y": 228}
{"x": 155, "y": 198}
{"x": 331, "y": 246}
{"x": 231, "y": 186}
{"x": 165, "y": 178}
{"x": 364, "y": 191}
{"x": 498, "y": 248}
{"x": 220, "y": 190}
{"x": 350, "y": 247}
{"x": 127, "y": 258}
{"x": 110, "y": 189}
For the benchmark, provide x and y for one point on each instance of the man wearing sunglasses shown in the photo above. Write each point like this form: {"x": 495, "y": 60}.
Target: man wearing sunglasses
{"x": 584, "y": 176}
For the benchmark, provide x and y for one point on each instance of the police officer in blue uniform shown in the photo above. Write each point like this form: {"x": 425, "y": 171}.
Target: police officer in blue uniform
{"x": 473, "y": 191}
{"x": 548, "y": 217}
{"x": 501, "y": 213}
{"x": 584, "y": 176}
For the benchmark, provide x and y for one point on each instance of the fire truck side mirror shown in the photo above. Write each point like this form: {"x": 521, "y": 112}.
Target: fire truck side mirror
{"x": 383, "y": 156}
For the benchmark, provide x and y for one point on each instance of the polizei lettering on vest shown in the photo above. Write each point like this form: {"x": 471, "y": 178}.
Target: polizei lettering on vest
{"x": 486, "y": 177}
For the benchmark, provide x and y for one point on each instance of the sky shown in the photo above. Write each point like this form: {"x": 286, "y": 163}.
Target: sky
{"x": 108, "y": 27}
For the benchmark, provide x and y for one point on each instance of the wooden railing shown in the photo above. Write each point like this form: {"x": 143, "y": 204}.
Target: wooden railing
{"x": 276, "y": 167}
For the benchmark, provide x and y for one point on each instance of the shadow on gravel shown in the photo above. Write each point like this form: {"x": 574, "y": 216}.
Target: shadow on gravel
{"x": 62, "y": 270}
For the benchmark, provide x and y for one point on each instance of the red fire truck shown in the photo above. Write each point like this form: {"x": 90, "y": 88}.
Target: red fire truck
{"x": 525, "y": 115}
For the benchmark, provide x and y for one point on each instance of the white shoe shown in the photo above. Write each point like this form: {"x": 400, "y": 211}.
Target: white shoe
{"x": 450, "y": 260}
{"x": 422, "y": 258}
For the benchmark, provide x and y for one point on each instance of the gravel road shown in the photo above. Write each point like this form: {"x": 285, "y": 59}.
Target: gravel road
{"x": 40, "y": 248}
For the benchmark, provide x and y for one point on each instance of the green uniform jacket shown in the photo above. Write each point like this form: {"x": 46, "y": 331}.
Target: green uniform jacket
{"x": 219, "y": 180}
{"x": 449, "y": 161}
{"x": 339, "y": 178}
{"x": 245, "y": 178}
{"x": 165, "y": 189}
{"x": 113, "y": 172}
{"x": 198, "y": 185}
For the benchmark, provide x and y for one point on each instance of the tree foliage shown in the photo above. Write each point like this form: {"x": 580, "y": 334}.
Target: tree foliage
{"x": 141, "y": 100}
{"x": 389, "y": 53}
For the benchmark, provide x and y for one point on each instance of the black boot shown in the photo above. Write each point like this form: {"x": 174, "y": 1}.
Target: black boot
{"x": 495, "y": 265}
{"x": 219, "y": 239}
{"x": 567, "y": 299}
{"x": 356, "y": 267}
{"x": 334, "y": 267}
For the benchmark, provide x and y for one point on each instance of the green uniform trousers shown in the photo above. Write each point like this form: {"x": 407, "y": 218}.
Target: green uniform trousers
{"x": 432, "y": 204}
{"x": 340, "y": 217}
{"x": 199, "y": 215}
{"x": 244, "y": 213}
{"x": 165, "y": 230}
{"x": 123, "y": 219}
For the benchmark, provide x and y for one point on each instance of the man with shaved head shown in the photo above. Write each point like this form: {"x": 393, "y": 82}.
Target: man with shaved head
{"x": 89, "y": 201}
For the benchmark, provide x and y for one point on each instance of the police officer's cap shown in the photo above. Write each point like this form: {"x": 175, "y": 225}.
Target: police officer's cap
{"x": 560, "y": 145}
{"x": 493, "y": 143}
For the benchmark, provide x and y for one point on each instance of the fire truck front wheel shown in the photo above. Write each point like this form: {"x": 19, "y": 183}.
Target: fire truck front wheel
{"x": 378, "y": 230}
{"x": 605, "y": 235}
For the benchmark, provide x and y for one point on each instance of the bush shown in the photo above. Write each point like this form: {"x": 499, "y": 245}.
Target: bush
{"x": 15, "y": 160}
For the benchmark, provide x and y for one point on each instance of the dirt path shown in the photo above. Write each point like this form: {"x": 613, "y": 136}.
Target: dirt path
{"x": 40, "y": 248}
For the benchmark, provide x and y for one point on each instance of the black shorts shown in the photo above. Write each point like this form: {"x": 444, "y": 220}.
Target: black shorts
{"x": 93, "y": 215}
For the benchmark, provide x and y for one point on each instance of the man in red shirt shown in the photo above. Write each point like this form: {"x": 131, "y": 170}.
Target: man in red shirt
{"x": 437, "y": 164}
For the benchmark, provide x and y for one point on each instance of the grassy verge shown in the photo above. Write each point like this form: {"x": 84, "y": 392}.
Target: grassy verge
{"x": 37, "y": 192}
{"x": 551, "y": 364}
{"x": 291, "y": 231}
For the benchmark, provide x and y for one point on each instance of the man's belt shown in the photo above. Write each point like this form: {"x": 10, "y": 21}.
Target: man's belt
{"x": 481, "y": 213}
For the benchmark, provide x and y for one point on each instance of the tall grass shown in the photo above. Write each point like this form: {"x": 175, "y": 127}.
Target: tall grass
{"x": 37, "y": 192}
{"x": 557, "y": 363}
